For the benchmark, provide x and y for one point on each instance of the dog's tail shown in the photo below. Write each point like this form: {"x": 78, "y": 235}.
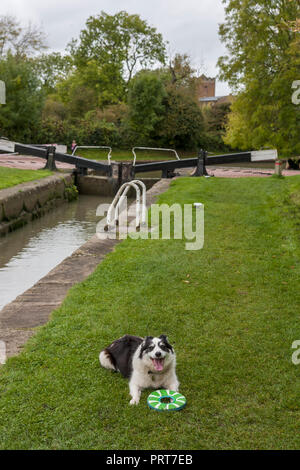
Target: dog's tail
{"x": 106, "y": 360}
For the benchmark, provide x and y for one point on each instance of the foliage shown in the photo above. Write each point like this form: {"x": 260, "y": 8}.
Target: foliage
{"x": 263, "y": 62}
{"x": 102, "y": 90}
{"x": 90, "y": 87}
{"x": 181, "y": 73}
{"x": 163, "y": 110}
{"x": 85, "y": 132}
{"x": 182, "y": 122}
{"x": 145, "y": 99}
{"x": 52, "y": 68}
{"x": 123, "y": 42}
{"x": 114, "y": 113}
{"x": 54, "y": 108}
{"x": 20, "y": 117}
{"x": 71, "y": 193}
{"x": 215, "y": 124}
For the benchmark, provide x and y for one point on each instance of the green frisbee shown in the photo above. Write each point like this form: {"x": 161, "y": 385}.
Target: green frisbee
{"x": 166, "y": 400}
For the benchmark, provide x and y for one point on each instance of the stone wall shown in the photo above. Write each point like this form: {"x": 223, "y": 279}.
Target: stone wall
{"x": 25, "y": 202}
{"x": 103, "y": 186}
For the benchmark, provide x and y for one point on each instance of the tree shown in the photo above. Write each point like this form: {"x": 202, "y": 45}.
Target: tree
{"x": 181, "y": 71}
{"x": 9, "y": 32}
{"x": 262, "y": 64}
{"x": 53, "y": 68}
{"x": 20, "y": 117}
{"x": 125, "y": 42}
{"x": 90, "y": 87}
{"x": 163, "y": 109}
{"x": 145, "y": 99}
{"x": 215, "y": 123}
{"x": 182, "y": 124}
{"x": 20, "y": 41}
{"x": 295, "y": 25}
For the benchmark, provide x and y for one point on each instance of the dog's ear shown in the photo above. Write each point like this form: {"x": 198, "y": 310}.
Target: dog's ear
{"x": 164, "y": 338}
{"x": 148, "y": 339}
{"x": 145, "y": 345}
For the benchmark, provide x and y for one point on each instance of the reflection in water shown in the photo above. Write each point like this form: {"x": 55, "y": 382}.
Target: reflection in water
{"x": 29, "y": 253}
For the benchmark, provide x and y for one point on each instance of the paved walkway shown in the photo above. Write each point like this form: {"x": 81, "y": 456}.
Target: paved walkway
{"x": 238, "y": 172}
{"x": 25, "y": 162}
{"x": 35, "y": 163}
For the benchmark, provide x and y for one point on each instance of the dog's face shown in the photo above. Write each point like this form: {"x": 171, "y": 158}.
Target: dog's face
{"x": 156, "y": 353}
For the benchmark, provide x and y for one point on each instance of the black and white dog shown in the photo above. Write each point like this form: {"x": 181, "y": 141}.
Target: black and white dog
{"x": 147, "y": 362}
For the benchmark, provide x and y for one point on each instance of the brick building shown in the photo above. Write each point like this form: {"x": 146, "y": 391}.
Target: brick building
{"x": 206, "y": 92}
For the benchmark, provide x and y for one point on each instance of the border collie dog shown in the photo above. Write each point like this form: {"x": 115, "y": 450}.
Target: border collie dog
{"x": 147, "y": 362}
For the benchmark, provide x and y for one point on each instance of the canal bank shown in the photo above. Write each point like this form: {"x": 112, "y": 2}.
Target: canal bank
{"x": 27, "y": 201}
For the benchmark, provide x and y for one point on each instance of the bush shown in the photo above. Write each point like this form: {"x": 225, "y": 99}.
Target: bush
{"x": 182, "y": 124}
{"x": 85, "y": 132}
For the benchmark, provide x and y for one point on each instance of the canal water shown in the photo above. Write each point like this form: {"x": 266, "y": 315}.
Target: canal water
{"x": 30, "y": 252}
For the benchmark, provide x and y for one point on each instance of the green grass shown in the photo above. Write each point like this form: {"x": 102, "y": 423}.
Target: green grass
{"x": 231, "y": 310}
{"x": 127, "y": 155}
{"x": 12, "y": 176}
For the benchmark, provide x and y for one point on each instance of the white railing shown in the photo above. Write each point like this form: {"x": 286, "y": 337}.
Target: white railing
{"x": 94, "y": 147}
{"x": 113, "y": 213}
{"x": 150, "y": 148}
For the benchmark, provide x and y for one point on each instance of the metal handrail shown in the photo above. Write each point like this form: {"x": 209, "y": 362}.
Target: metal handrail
{"x": 151, "y": 148}
{"x": 138, "y": 203}
{"x": 144, "y": 191}
{"x": 118, "y": 199}
{"x": 94, "y": 147}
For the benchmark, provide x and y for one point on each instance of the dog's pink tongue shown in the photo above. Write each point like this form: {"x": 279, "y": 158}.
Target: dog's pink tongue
{"x": 158, "y": 364}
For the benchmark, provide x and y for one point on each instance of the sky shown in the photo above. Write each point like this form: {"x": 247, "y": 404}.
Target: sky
{"x": 190, "y": 26}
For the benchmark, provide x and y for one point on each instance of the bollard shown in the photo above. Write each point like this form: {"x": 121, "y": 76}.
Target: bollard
{"x": 50, "y": 165}
{"x": 201, "y": 164}
{"x": 278, "y": 167}
{"x": 115, "y": 177}
{"x": 126, "y": 171}
{"x": 120, "y": 174}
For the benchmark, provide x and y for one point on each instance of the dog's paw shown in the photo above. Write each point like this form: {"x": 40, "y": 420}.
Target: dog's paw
{"x": 174, "y": 387}
{"x": 134, "y": 401}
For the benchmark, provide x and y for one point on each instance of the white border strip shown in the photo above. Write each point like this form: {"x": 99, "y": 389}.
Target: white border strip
{"x": 7, "y": 145}
{"x": 263, "y": 155}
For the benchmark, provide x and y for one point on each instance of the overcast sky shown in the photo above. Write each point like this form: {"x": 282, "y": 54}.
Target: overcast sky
{"x": 190, "y": 26}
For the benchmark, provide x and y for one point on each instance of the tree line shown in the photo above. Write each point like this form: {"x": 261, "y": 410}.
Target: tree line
{"x": 115, "y": 84}
{"x": 263, "y": 42}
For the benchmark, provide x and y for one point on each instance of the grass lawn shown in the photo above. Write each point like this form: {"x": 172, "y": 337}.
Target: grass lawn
{"x": 231, "y": 310}
{"x": 142, "y": 155}
{"x": 12, "y": 176}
